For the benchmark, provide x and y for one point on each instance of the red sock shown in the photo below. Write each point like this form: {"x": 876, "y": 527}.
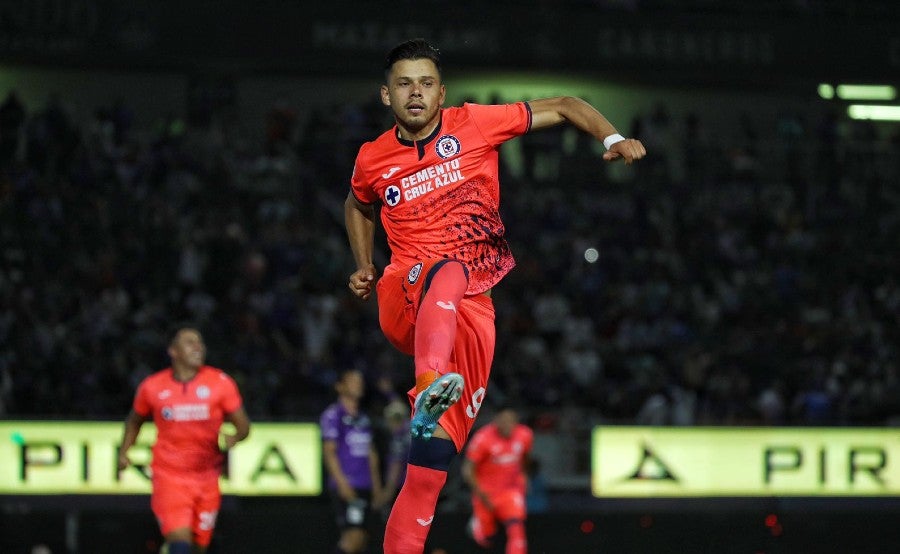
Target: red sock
{"x": 436, "y": 322}
{"x": 516, "y": 543}
{"x": 413, "y": 511}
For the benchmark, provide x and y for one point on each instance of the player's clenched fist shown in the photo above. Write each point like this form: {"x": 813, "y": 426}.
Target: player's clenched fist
{"x": 628, "y": 149}
{"x": 362, "y": 281}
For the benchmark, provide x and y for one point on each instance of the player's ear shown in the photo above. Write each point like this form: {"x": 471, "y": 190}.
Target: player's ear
{"x": 385, "y": 95}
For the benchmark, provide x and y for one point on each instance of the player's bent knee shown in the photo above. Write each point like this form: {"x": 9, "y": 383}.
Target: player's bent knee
{"x": 178, "y": 547}
{"x": 441, "y": 433}
{"x": 436, "y": 453}
{"x": 353, "y": 540}
{"x": 182, "y": 534}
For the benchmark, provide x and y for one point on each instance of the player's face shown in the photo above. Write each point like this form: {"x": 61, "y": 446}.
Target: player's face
{"x": 506, "y": 421}
{"x": 352, "y": 385}
{"x": 188, "y": 349}
{"x": 415, "y": 94}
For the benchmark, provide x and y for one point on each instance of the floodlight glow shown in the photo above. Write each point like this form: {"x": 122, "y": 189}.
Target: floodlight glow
{"x": 826, "y": 91}
{"x": 866, "y": 92}
{"x": 874, "y": 112}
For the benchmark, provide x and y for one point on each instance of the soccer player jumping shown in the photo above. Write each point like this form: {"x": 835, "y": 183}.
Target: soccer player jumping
{"x": 436, "y": 175}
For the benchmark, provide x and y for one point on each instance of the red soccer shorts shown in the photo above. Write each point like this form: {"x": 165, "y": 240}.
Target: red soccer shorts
{"x": 399, "y": 293}
{"x": 508, "y": 505}
{"x": 178, "y": 502}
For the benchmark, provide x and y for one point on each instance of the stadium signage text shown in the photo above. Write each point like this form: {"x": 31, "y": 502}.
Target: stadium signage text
{"x": 685, "y": 46}
{"x": 82, "y": 457}
{"x": 670, "y": 461}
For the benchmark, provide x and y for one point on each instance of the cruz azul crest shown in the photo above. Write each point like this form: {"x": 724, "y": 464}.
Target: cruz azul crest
{"x": 447, "y": 146}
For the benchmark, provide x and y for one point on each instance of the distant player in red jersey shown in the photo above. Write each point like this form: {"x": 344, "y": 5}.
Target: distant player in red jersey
{"x": 436, "y": 175}
{"x": 188, "y": 403}
{"x": 494, "y": 467}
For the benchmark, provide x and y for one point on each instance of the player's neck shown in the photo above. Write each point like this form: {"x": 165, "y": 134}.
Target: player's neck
{"x": 349, "y": 403}
{"x": 184, "y": 372}
{"x": 407, "y": 134}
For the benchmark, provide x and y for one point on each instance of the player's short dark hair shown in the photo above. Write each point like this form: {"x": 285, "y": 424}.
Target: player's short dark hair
{"x": 345, "y": 371}
{"x": 176, "y": 329}
{"x": 510, "y": 406}
{"x": 414, "y": 49}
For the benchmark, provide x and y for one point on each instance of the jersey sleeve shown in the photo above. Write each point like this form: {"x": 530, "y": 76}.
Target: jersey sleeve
{"x": 500, "y": 122}
{"x": 231, "y": 396}
{"x": 360, "y": 184}
{"x": 328, "y": 423}
{"x": 142, "y": 405}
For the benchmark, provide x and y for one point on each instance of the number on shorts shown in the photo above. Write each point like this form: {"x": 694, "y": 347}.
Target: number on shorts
{"x": 207, "y": 520}
{"x": 477, "y": 399}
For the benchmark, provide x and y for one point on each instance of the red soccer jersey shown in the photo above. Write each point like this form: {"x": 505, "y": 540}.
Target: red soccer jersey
{"x": 498, "y": 459}
{"x": 188, "y": 416}
{"x": 441, "y": 195}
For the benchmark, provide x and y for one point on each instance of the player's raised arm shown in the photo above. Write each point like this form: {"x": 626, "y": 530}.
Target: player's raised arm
{"x": 547, "y": 112}
{"x": 359, "y": 219}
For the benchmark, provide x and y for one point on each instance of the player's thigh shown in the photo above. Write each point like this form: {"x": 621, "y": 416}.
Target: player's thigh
{"x": 172, "y": 503}
{"x": 396, "y": 310}
{"x": 206, "y": 511}
{"x": 510, "y": 505}
{"x": 484, "y": 525}
{"x": 400, "y": 291}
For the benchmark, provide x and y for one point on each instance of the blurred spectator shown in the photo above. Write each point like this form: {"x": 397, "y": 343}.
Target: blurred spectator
{"x": 722, "y": 290}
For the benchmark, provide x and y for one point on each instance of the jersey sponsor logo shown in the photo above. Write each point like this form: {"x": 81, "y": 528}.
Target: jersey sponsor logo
{"x": 414, "y": 273}
{"x": 359, "y": 438}
{"x": 447, "y": 146}
{"x": 185, "y": 412}
{"x": 433, "y": 177}
{"x": 390, "y": 172}
{"x": 501, "y": 456}
{"x": 360, "y": 421}
{"x": 392, "y": 195}
{"x": 506, "y": 459}
{"x": 202, "y": 392}
{"x": 425, "y": 522}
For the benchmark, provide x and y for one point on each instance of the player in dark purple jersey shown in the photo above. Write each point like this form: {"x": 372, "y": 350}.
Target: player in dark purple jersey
{"x": 351, "y": 460}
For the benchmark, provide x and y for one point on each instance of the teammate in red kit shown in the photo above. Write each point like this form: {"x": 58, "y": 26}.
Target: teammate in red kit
{"x": 188, "y": 403}
{"x": 436, "y": 175}
{"x": 494, "y": 467}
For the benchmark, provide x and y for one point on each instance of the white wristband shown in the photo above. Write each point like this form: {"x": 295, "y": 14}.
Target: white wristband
{"x": 612, "y": 139}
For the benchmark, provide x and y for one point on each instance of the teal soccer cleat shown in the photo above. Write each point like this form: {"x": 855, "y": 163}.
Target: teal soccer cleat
{"x": 432, "y": 402}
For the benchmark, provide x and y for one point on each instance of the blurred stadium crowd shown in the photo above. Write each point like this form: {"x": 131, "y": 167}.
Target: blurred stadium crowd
{"x": 742, "y": 279}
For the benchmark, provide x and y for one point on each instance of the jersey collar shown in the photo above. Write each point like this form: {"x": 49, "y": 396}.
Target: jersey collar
{"x": 420, "y": 144}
